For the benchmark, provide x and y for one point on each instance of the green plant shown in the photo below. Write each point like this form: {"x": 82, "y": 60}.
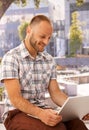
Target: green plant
{"x": 80, "y": 2}
{"x": 0, "y": 60}
{"x": 22, "y": 30}
{"x": 24, "y": 3}
{"x": 1, "y": 92}
{"x": 21, "y": 2}
{"x": 76, "y": 34}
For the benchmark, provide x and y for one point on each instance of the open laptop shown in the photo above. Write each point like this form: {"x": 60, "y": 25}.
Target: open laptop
{"x": 74, "y": 107}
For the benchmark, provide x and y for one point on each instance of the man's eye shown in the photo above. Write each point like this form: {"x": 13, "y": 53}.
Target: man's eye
{"x": 42, "y": 36}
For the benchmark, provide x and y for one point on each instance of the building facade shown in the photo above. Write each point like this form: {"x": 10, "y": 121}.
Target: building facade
{"x": 15, "y": 15}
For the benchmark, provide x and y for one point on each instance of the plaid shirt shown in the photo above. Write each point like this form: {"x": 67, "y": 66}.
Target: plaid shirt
{"x": 34, "y": 75}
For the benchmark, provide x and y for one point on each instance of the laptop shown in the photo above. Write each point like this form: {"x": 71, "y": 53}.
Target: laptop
{"x": 74, "y": 107}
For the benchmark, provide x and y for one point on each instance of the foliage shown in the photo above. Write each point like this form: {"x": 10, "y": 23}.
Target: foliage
{"x": 76, "y": 34}
{"x": 24, "y": 3}
{"x": 4, "y": 4}
{"x": 80, "y": 2}
{"x": 0, "y": 60}
{"x": 22, "y": 30}
{"x": 21, "y": 2}
{"x": 0, "y": 4}
{"x": 1, "y": 92}
{"x": 37, "y": 3}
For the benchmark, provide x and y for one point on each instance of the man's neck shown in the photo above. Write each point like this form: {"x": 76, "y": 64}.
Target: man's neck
{"x": 31, "y": 50}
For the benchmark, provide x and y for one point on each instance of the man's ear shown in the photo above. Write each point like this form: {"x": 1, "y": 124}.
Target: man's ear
{"x": 28, "y": 29}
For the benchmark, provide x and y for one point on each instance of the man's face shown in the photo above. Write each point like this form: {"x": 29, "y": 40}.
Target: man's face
{"x": 40, "y": 35}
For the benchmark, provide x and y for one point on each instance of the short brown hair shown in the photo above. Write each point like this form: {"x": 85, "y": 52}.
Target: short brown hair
{"x": 39, "y": 18}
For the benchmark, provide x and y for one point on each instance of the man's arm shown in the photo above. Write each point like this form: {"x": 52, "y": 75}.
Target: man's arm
{"x": 56, "y": 94}
{"x": 13, "y": 89}
{"x": 48, "y": 116}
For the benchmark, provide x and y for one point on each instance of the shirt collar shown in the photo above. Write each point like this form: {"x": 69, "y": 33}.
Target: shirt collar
{"x": 24, "y": 51}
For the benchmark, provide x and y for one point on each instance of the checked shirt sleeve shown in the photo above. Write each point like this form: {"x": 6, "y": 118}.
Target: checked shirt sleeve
{"x": 53, "y": 70}
{"x": 9, "y": 67}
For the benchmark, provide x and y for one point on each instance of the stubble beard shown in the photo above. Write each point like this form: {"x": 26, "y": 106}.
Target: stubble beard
{"x": 34, "y": 44}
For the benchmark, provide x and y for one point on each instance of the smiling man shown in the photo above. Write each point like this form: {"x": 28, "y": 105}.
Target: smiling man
{"x": 28, "y": 72}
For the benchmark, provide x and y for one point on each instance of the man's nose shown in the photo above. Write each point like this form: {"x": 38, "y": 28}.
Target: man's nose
{"x": 46, "y": 41}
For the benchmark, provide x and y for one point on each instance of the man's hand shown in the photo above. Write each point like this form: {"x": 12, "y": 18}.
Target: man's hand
{"x": 49, "y": 117}
{"x": 86, "y": 117}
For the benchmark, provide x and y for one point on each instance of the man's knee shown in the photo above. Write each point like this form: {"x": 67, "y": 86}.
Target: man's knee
{"x": 60, "y": 126}
{"x": 75, "y": 124}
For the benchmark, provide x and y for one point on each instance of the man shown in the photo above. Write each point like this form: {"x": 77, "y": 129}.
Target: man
{"x": 28, "y": 72}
